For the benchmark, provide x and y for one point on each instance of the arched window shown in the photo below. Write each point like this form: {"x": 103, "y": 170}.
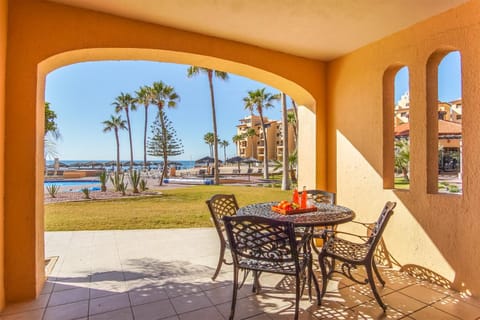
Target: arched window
{"x": 396, "y": 133}
{"x": 444, "y": 122}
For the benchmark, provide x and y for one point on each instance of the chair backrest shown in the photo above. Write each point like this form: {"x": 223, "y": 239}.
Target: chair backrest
{"x": 376, "y": 232}
{"x": 221, "y": 205}
{"x": 322, "y": 196}
{"x": 261, "y": 239}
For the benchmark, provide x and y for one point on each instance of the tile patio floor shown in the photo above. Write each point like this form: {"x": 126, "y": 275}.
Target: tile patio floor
{"x": 165, "y": 274}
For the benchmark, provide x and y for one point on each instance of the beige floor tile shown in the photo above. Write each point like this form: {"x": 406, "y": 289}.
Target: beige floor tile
{"x": 402, "y": 303}
{"x": 154, "y": 310}
{"x": 120, "y": 314}
{"x": 333, "y": 311}
{"x": 245, "y": 308}
{"x": 429, "y": 313}
{"x": 458, "y": 308}
{"x": 210, "y": 313}
{"x": 176, "y": 289}
{"x": 69, "y": 296}
{"x": 67, "y": 311}
{"x": 423, "y": 294}
{"x": 28, "y": 315}
{"x": 149, "y": 293}
{"x": 39, "y": 303}
{"x": 372, "y": 310}
{"x": 191, "y": 302}
{"x": 109, "y": 303}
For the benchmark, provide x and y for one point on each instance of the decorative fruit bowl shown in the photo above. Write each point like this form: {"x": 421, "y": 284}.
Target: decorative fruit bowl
{"x": 285, "y": 207}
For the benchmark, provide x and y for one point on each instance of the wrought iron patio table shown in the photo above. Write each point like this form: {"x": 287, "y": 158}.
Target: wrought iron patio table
{"x": 326, "y": 215}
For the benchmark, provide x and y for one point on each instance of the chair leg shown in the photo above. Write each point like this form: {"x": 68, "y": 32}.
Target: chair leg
{"x": 297, "y": 295}
{"x": 321, "y": 262}
{"x": 234, "y": 295}
{"x": 311, "y": 276}
{"x": 374, "y": 265}
{"x": 374, "y": 287}
{"x": 221, "y": 258}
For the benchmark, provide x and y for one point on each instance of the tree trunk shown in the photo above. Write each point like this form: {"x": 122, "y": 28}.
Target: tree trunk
{"x": 145, "y": 138}
{"x": 265, "y": 146}
{"x": 130, "y": 140}
{"x": 215, "y": 137}
{"x": 285, "y": 180}
{"x": 118, "y": 151}
{"x": 164, "y": 133}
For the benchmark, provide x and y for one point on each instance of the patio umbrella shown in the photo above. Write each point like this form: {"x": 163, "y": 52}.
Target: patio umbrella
{"x": 236, "y": 159}
{"x": 250, "y": 160}
{"x": 205, "y": 160}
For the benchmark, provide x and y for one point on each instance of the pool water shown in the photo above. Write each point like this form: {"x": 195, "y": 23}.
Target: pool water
{"x": 77, "y": 184}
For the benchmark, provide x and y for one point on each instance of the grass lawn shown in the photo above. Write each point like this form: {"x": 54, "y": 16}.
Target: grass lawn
{"x": 175, "y": 208}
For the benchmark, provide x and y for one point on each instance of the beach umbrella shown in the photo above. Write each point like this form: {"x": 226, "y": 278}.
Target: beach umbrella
{"x": 237, "y": 160}
{"x": 205, "y": 160}
{"x": 250, "y": 160}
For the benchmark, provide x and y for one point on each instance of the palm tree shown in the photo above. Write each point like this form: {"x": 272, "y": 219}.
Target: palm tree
{"x": 193, "y": 71}
{"x": 209, "y": 139}
{"x": 126, "y": 102}
{"x": 163, "y": 96}
{"x": 236, "y": 139}
{"x": 115, "y": 124}
{"x": 285, "y": 180}
{"x": 224, "y": 144}
{"x": 259, "y": 100}
{"x": 144, "y": 96}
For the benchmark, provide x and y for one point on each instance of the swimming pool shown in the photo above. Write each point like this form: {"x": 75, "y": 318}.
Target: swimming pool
{"x": 70, "y": 184}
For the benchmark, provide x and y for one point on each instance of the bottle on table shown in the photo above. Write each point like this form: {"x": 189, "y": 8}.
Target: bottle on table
{"x": 303, "y": 202}
{"x": 295, "y": 197}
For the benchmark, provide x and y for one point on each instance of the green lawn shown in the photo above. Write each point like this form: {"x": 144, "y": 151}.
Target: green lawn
{"x": 175, "y": 208}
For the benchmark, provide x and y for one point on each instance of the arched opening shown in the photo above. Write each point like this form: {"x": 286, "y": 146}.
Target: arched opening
{"x": 444, "y": 122}
{"x": 305, "y": 100}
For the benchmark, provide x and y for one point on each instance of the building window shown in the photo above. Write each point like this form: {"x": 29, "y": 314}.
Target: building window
{"x": 401, "y": 128}
{"x": 444, "y": 122}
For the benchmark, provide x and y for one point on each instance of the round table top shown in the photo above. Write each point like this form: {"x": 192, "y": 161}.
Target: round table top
{"x": 326, "y": 214}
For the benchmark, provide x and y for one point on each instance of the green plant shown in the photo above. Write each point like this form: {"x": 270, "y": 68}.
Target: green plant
{"x": 123, "y": 187}
{"x": 103, "y": 181}
{"x": 53, "y": 190}
{"x": 453, "y": 188}
{"x": 86, "y": 193}
{"x": 135, "y": 177}
{"x": 143, "y": 185}
{"x": 117, "y": 180}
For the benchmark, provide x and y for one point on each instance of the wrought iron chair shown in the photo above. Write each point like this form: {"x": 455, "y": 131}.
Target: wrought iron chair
{"x": 353, "y": 254}
{"x": 221, "y": 205}
{"x": 264, "y": 245}
{"x": 320, "y": 196}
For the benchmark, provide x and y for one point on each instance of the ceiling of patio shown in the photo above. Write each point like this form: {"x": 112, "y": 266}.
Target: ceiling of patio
{"x": 319, "y": 29}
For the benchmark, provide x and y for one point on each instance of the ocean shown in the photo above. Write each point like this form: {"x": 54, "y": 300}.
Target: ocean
{"x": 180, "y": 164}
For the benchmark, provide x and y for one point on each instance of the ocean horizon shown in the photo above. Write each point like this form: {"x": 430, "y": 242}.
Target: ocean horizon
{"x": 180, "y": 164}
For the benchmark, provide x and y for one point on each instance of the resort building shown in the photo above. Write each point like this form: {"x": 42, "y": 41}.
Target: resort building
{"x": 252, "y": 144}
{"x": 336, "y": 59}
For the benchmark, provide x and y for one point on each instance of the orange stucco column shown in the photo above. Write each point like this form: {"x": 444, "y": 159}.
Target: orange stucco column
{"x": 3, "y": 58}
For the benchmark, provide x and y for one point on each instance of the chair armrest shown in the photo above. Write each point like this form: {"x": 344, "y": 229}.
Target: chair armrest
{"x": 328, "y": 234}
{"x": 367, "y": 225}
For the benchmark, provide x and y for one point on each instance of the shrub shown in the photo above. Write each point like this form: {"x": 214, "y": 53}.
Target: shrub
{"x": 123, "y": 187}
{"x": 135, "y": 180}
{"x": 53, "y": 190}
{"x": 117, "y": 180}
{"x": 86, "y": 193}
{"x": 143, "y": 185}
{"x": 453, "y": 188}
{"x": 103, "y": 181}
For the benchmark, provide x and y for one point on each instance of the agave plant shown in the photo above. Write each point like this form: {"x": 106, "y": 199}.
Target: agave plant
{"x": 53, "y": 190}
{"x": 117, "y": 180}
{"x": 143, "y": 185}
{"x": 135, "y": 177}
{"x": 86, "y": 193}
{"x": 103, "y": 181}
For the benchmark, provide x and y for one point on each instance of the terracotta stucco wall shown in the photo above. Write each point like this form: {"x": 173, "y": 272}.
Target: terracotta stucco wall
{"x": 43, "y": 36}
{"x": 439, "y": 232}
{"x": 3, "y": 57}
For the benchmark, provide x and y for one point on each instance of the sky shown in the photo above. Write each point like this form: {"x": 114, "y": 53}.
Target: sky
{"x": 449, "y": 75}
{"x": 82, "y": 94}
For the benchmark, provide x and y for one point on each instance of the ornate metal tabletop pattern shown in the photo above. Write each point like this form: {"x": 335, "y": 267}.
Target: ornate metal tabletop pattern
{"x": 326, "y": 214}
